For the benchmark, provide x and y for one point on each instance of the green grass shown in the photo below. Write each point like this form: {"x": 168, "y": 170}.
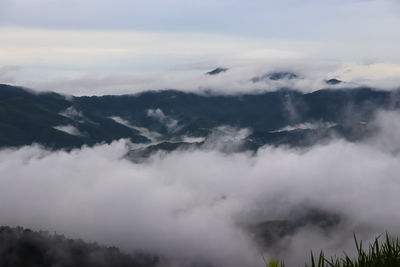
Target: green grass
{"x": 384, "y": 253}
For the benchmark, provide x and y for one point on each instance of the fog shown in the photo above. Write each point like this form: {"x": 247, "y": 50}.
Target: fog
{"x": 312, "y": 76}
{"x": 93, "y": 62}
{"x": 196, "y": 206}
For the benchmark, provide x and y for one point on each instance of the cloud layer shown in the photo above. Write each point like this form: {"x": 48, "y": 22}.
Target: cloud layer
{"x": 309, "y": 19}
{"x": 92, "y": 47}
{"x": 194, "y": 206}
{"x": 96, "y": 62}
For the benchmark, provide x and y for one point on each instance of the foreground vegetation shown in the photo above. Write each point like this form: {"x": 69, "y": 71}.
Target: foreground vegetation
{"x": 379, "y": 254}
{"x": 21, "y": 247}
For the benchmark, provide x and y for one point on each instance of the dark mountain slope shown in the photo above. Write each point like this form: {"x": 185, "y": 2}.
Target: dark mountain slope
{"x": 262, "y": 112}
{"x": 21, "y": 247}
{"x": 217, "y": 71}
{"x": 26, "y": 117}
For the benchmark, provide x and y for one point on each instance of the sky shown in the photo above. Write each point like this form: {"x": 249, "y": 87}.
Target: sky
{"x": 97, "y": 47}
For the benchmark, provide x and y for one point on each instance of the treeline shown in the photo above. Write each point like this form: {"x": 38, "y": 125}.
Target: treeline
{"x": 21, "y": 247}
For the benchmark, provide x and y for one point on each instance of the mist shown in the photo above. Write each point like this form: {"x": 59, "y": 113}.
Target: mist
{"x": 312, "y": 76}
{"x": 197, "y": 206}
{"x": 103, "y": 62}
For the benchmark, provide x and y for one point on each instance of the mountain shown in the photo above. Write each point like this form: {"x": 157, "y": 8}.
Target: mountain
{"x": 333, "y": 81}
{"x": 270, "y": 233}
{"x": 27, "y": 117}
{"x": 217, "y": 71}
{"x": 21, "y": 247}
{"x": 279, "y": 117}
{"x": 275, "y": 76}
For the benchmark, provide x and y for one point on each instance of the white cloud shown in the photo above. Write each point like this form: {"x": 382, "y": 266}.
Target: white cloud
{"x": 306, "y": 125}
{"x": 159, "y": 115}
{"x": 69, "y": 129}
{"x": 152, "y": 136}
{"x": 72, "y": 113}
{"x": 189, "y": 139}
{"x": 7, "y": 74}
{"x": 196, "y": 201}
{"x": 388, "y": 124}
{"x": 116, "y": 62}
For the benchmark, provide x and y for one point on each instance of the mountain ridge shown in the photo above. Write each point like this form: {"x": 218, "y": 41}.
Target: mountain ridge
{"x": 64, "y": 122}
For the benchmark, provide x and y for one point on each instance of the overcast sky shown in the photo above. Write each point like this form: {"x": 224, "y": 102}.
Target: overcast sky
{"x": 54, "y": 43}
{"x": 292, "y": 19}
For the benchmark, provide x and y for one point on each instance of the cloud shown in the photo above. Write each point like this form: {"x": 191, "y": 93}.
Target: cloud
{"x": 237, "y": 80}
{"x": 273, "y": 19}
{"x": 99, "y": 84}
{"x": 388, "y": 125}
{"x": 69, "y": 129}
{"x": 116, "y": 62}
{"x": 116, "y": 202}
{"x": 200, "y": 201}
{"x": 159, "y": 115}
{"x": 307, "y": 125}
{"x": 7, "y": 74}
{"x": 152, "y": 136}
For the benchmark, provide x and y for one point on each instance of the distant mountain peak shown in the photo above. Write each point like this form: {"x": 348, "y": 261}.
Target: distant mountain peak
{"x": 333, "y": 81}
{"x": 217, "y": 71}
{"x": 275, "y": 76}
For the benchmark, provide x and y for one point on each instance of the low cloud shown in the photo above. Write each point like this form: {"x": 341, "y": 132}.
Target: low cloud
{"x": 307, "y": 125}
{"x": 7, "y": 74}
{"x": 237, "y": 80}
{"x": 69, "y": 129}
{"x": 195, "y": 206}
{"x": 159, "y": 115}
{"x": 97, "y": 62}
{"x": 152, "y": 136}
{"x": 388, "y": 125}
